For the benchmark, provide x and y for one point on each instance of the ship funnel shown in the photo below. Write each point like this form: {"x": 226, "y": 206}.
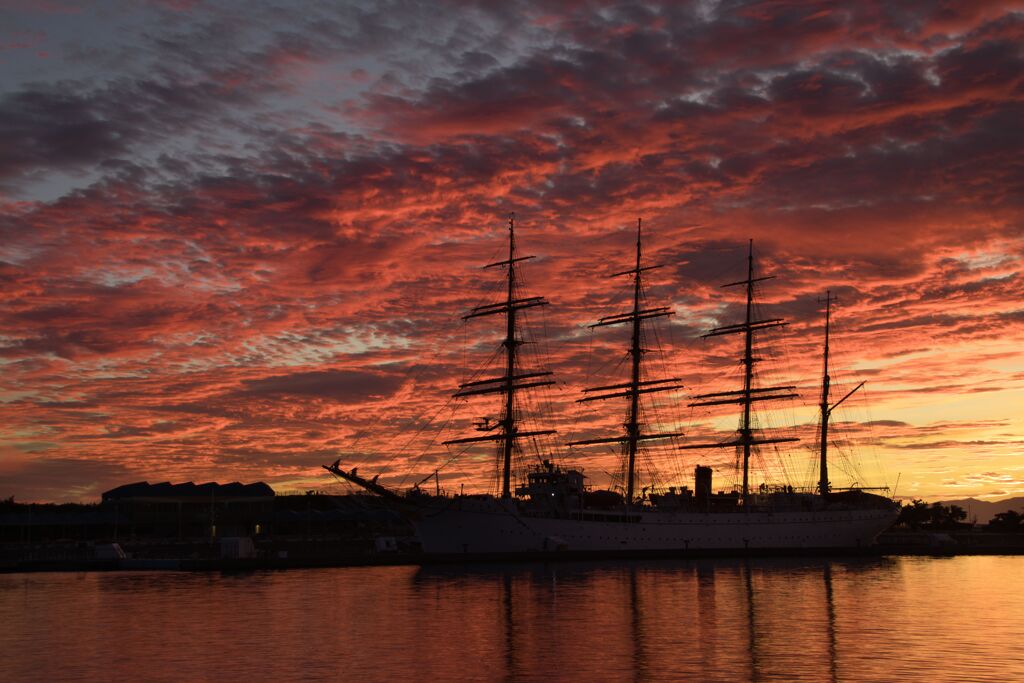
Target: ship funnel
{"x": 702, "y": 484}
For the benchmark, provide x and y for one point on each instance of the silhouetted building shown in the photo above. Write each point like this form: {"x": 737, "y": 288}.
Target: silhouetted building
{"x": 191, "y": 510}
{"x": 201, "y": 521}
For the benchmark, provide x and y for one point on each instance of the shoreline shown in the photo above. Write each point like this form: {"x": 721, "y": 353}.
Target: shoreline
{"x": 892, "y": 544}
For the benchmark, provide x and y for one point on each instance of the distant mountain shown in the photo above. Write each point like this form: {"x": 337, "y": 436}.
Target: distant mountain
{"x": 983, "y": 510}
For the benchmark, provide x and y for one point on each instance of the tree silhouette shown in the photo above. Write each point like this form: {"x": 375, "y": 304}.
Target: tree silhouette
{"x": 922, "y": 515}
{"x": 1010, "y": 521}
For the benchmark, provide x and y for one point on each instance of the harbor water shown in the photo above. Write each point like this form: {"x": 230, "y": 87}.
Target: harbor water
{"x": 880, "y": 619}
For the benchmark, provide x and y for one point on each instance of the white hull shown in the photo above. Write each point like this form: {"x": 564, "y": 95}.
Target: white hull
{"x": 492, "y": 526}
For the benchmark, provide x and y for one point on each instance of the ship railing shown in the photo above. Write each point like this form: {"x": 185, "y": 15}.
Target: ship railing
{"x": 609, "y": 516}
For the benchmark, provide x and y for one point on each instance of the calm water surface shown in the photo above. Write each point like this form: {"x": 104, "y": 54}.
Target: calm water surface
{"x": 917, "y": 619}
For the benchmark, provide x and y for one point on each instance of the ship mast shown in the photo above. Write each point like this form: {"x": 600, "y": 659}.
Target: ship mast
{"x": 825, "y": 383}
{"x": 748, "y": 394}
{"x": 510, "y": 382}
{"x": 826, "y": 410}
{"x": 635, "y": 386}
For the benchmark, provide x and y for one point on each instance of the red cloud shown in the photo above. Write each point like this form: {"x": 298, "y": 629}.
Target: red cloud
{"x": 218, "y": 316}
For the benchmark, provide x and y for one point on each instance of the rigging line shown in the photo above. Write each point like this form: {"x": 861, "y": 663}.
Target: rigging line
{"x": 459, "y": 454}
{"x": 672, "y": 343}
{"x": 422, "y": 367}
{"x": 872, "y": 440}
{"x": 422, "y": 452}
{"x": 363, "y": 462}
{"x": 537, "y": 405}
{"x": 454, "y": 404}
{"x": 701, "y": 386}
{"x": 653, "y": 415}
{"x": 549, "y": 406}
{"x": 450, "y": 401}
{"x": 660, "y": 403}
{"x": 784, "y": 462}
{"x": 452, "y": 459}
{"x": 662, "y": 357}
{"x": 681, "y": 473}
{"x": 464, "y": 329}
{"x": 530, "y": 413}
{"x": 578, "y": 407}
{"x": 612, "y": 365}
{"x": 811, "y": 470}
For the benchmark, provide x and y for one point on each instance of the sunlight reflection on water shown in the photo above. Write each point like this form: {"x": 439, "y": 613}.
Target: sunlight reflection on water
{"x": 919, "y": 619}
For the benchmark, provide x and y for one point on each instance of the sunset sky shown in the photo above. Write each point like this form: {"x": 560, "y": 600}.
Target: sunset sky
{"x": 237, "y": 237}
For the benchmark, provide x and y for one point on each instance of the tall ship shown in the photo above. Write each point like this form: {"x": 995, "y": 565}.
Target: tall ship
{"x": 551, "y": 509}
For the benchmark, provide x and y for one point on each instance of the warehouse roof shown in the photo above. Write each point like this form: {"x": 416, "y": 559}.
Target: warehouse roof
{"x": 144, "y": 489}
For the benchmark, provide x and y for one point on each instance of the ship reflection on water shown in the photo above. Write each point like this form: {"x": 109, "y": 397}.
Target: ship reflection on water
{"x": 762, "y": 619}
{"x": 729, "y": 620}
{"x": 920, "y": 619}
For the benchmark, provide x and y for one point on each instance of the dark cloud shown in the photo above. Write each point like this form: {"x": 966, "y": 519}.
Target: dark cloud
{"x": 74, "y": 125}
{"x": 43, "y": 479}
{"x": 338, "y": 385}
